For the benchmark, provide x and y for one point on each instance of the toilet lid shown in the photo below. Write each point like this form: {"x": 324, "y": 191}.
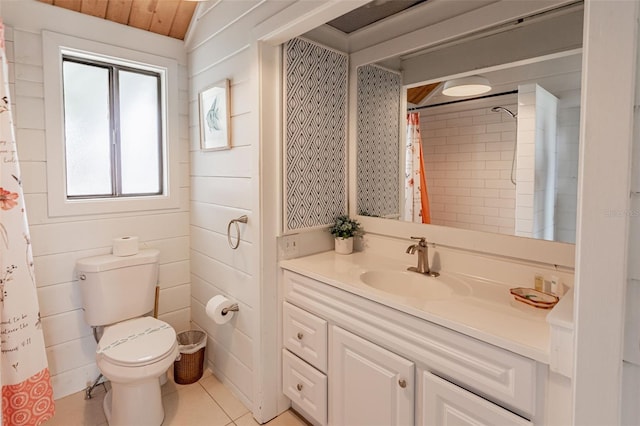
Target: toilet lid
{"x": 137, "y": 341}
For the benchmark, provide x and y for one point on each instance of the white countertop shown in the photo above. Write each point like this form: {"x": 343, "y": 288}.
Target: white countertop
{"x": 489, "y": 313}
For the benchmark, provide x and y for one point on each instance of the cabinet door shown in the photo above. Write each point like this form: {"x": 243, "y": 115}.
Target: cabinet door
{"x": 368, "y": 385}
{"x": 445, "y": 404}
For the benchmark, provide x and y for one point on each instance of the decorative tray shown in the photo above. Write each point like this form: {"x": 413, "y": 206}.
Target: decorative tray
{"x": 534, "y": 297}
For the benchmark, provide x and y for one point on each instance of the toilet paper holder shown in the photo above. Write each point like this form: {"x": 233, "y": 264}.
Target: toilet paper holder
{"x": 232, "y": 308}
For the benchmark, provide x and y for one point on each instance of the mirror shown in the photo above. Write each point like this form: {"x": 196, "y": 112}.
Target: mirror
{"x": 504, "y": 162}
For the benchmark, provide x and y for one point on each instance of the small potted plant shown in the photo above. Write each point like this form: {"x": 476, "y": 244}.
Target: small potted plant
{"x": 343, "y": 230}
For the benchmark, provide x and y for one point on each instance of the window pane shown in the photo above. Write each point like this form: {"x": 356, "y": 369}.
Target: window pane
{"x": 86, "y": 126}
{"x": 139, "y": 133}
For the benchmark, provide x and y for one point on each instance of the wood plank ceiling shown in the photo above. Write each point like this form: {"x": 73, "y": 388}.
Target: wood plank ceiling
{"x": 167, "y": 17}
{"x": 415, "y": 95}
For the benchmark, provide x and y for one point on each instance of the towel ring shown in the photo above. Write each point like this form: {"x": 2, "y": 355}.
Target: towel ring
{"x": 241, "y": 219}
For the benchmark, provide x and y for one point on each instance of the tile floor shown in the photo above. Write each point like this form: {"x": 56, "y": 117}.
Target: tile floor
{"x": 206, "y": 402}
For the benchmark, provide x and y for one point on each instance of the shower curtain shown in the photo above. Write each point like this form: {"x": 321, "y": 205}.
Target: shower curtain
{"x": 416, "y": 199}
{"x": 27, "y": 395}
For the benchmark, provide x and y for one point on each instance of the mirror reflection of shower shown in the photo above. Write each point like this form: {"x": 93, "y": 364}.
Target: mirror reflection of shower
{"x": 499, "y": 109}
{"x": 513, "y": 160}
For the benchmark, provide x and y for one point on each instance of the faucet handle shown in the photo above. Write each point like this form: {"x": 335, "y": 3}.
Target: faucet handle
{"x": 422, "y": 241}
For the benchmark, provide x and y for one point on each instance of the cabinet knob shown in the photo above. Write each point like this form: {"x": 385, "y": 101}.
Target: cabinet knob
{"x": 402, "y": 383}
{"x": 300, "y": 335}
{"x": 299, "y": 386}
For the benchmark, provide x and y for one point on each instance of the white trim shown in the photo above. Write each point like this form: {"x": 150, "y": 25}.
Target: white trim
{"x": 205, "y": 8}
{"x": 300, "y": 17}
{"x": 269, "y": 399}
{"x": 54, "y": 44}
{"x": 519, "y": 63}
{"x": 200, "y": 11}
{"x": 606, "y": 133}
{"x": 477, "y": 20}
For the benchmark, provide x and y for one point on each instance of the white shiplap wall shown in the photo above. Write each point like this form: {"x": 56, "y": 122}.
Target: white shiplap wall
{"x": 59, "y": 242}
{"x": 225, "y": 185}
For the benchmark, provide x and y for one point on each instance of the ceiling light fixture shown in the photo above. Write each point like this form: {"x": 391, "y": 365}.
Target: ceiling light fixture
{"x": 466, "y": 86}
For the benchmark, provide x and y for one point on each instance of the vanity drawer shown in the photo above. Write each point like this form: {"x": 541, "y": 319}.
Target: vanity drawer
{"x": 305, "y": 335}
{"x": 493, "y": 373}
{"x": 306, "y": 386}
{"x": 444, "y": 404}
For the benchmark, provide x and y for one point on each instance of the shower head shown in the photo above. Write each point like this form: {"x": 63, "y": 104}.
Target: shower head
{"x": 503, "y": 109}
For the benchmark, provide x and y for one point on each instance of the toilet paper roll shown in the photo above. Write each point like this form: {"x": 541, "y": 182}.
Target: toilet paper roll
{"x": 215, "y": 305}
{"x": 125, "y": 246}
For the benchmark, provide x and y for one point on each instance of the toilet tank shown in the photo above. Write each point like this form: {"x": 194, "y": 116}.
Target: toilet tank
{"x": 117, "y": 288}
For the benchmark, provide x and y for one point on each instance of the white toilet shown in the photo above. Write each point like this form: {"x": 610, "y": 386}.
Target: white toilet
{"x": 134, "y": 350}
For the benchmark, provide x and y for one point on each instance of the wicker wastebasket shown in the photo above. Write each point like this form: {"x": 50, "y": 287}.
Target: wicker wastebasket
{"x": 188, "y": 367}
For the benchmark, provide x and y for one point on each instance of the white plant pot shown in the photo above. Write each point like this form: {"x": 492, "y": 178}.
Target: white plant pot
{"x": 344, "y": 245}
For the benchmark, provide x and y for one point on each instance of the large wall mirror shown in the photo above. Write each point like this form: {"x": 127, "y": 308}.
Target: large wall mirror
{"x": 504, "y": 161}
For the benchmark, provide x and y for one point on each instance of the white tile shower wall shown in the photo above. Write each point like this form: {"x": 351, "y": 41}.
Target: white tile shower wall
{"x": 59, "y": 242}
{"x": 536, "y": 162}
{"x": 546, "y": 154}
{"x": 567, "y": 167}
{"x": 468, "y": 153}
{"x": 224, "y": 186}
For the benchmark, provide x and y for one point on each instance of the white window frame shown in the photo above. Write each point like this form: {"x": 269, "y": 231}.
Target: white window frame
{"x": 55, "y": 45}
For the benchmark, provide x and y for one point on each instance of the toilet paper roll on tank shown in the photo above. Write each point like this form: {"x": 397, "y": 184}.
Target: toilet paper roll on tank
{"x": 220, "y": 309}
{"x": 125, "y": 246}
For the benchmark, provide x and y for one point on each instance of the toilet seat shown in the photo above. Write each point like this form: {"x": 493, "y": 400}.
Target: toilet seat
{"x": 136, "y": 342}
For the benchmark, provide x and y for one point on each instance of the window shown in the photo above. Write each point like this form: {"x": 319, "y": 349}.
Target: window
{"x": 113, "y": 132}
{"x": 111, "y": 128}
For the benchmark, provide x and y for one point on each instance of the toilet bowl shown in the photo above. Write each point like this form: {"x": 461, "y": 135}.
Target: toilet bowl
{"x": 133, "y": 354}
{"x": 135, "y": 350}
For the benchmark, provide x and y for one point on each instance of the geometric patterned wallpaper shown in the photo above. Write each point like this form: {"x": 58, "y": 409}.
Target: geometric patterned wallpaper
{"x": 316, "y": 134}
{"x": 378, "y": 141}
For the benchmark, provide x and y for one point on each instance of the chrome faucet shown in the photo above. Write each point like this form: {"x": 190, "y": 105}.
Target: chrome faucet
{"x": 423, "y": 257}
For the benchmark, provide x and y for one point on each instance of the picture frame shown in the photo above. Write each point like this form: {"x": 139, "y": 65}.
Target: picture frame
{"x": 215, "y": 117}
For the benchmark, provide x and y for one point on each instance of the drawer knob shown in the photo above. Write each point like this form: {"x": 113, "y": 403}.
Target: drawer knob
{"x": 402, "y": 383}
{"x": 299, "y": 386}
{"x": 300, "y": 335}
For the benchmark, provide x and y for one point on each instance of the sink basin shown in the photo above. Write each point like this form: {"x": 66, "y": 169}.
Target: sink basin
{"x": 415, "y": 286}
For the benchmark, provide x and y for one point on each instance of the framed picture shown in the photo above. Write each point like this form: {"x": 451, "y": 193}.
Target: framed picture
{"x": 215, "y": 117}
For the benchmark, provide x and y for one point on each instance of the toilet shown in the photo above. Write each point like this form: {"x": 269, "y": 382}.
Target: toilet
{"x": 135, "y": 350}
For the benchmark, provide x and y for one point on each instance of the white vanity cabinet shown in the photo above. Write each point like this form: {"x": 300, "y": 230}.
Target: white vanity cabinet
{"x": 365, "y": 363}
{"x": 368, "y": 384}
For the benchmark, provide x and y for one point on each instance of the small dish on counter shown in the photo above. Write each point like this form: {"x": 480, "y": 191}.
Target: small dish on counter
{"x": 534, "y": 297}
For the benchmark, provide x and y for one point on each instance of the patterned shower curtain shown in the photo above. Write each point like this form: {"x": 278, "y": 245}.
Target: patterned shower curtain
{"x": 416, "y": 200}
{"x": 27, "y": 395}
